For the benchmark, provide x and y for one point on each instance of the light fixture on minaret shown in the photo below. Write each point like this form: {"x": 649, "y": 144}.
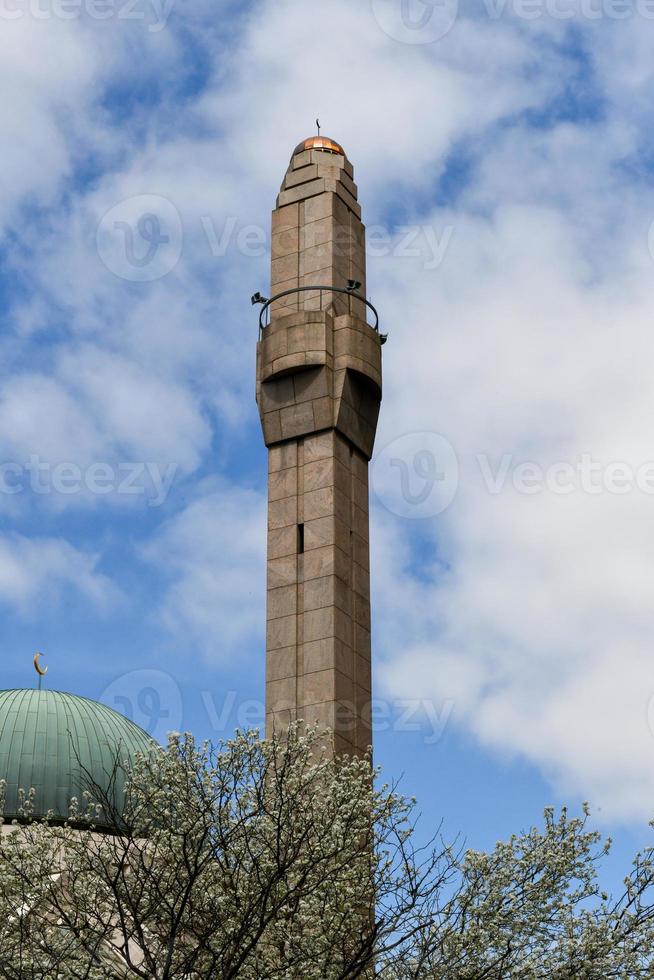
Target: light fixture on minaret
{"x": 319, "y": 392}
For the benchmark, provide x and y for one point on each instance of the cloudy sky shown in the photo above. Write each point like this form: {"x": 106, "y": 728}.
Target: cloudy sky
{"x": 505, "y": 163}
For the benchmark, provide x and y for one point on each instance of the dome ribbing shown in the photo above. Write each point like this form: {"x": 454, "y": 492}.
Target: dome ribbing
{"x": 49, "y": 740}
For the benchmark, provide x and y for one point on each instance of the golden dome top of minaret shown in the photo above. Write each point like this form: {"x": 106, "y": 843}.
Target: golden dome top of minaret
{"x": 323, "y": 143}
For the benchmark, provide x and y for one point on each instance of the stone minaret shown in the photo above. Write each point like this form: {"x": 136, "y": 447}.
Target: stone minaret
{"x": 319, "y": 391}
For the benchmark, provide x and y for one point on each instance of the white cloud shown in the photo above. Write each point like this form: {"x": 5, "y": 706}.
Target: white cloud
{"x": 41, "y": 570}
{"x": 532, "y": 340}
{"x": 212, "y": 555}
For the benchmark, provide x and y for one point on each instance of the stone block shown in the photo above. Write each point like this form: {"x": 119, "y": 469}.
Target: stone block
{"x": 285, "y": 217}
{"x": 319, "y": 503}
{"x": 275, "y": 344}
{"x": 342, "y": 506}
{"x": 323, "y": 413}
{"x": 362, "y": 639}
{"x": 320, "y": 624}
{"x": 361, "y": 551}
{"x": 318, "y": 686}
{"x": 310, "y": 384}
{"x": 281, "y": 633}
{"x": 361, "y": 580}
{"x": 342, "y": 476}
{"x": 281, "y": 694}
{"x": 360, "y": 493}
{"x": 343, "y": 746}
{"x": 343, "y": 627}
{"x": 319, "y": 533}
{"x": 315, "y": 258}
{"x": 363, "y": 672}
{"x": 282, "y": 602}
{"x": 342, "y": 449}
{"x": 272, "y": 428}
{"x": 318, "y": 593}
{"x": 314, "y": 357}
{"x": 360, "y": 468}
{"x": 337, "y": 187}
{"x": 326, "y": 654}
{"x": 282, "y": 456}
{"x": 296, "y": 420}
{"x": 363, "y": 703}
{"x": 342, "y": 596}
{"x": 284, "y": 268}
{"x": 361, "y": 612}
{"x": 318, "y": 474}
{"x": 321, "y": 714}
{"x": 309, "y": 189}
{"x": 327, "y": 560}
{"x": 360, "y": 522}
{"x": 318, "y": 207}
{"x": 286, "y": 304}
{"x": 318, "y": 446}
{"x": 300, "y": 160}
{"x": 282, "y": 513}
{"x": 349, "y": 185}
{"x": 282, "y": 571}
{"x": 316, "y": 233}
{"x": 285, "y": 242}
{"x": 281, "y": 663}
{"x": 306, "y": 337}
{"x": 274, "y": 394}
{"x": 277, "y": 722}
{"x": 282, "y": 541}
{"x": 300, "y": 175}
{"x": 283, "y": 483}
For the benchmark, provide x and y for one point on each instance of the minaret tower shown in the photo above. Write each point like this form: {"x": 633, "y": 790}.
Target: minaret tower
{"x": 318, "y": 392}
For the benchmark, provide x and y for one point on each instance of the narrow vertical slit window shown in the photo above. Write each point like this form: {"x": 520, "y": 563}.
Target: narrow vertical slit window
{"x": 300, "y": 539}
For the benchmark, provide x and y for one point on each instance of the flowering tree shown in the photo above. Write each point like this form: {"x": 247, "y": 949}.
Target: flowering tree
{"x": 263, "y": 860}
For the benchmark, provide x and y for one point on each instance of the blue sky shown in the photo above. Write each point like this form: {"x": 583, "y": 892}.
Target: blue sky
{"x": 503, "y": 158}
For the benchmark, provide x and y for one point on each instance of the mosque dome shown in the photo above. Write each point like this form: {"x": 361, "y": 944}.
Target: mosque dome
{"x": 320, "y": 143}
{"x": 51, "y": 742}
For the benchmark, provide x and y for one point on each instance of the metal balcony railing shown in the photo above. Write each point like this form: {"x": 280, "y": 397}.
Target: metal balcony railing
{"x": 264, "y": 315}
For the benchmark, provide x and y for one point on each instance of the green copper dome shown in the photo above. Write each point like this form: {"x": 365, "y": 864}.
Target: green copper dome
{"x": 50, "y": 740}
